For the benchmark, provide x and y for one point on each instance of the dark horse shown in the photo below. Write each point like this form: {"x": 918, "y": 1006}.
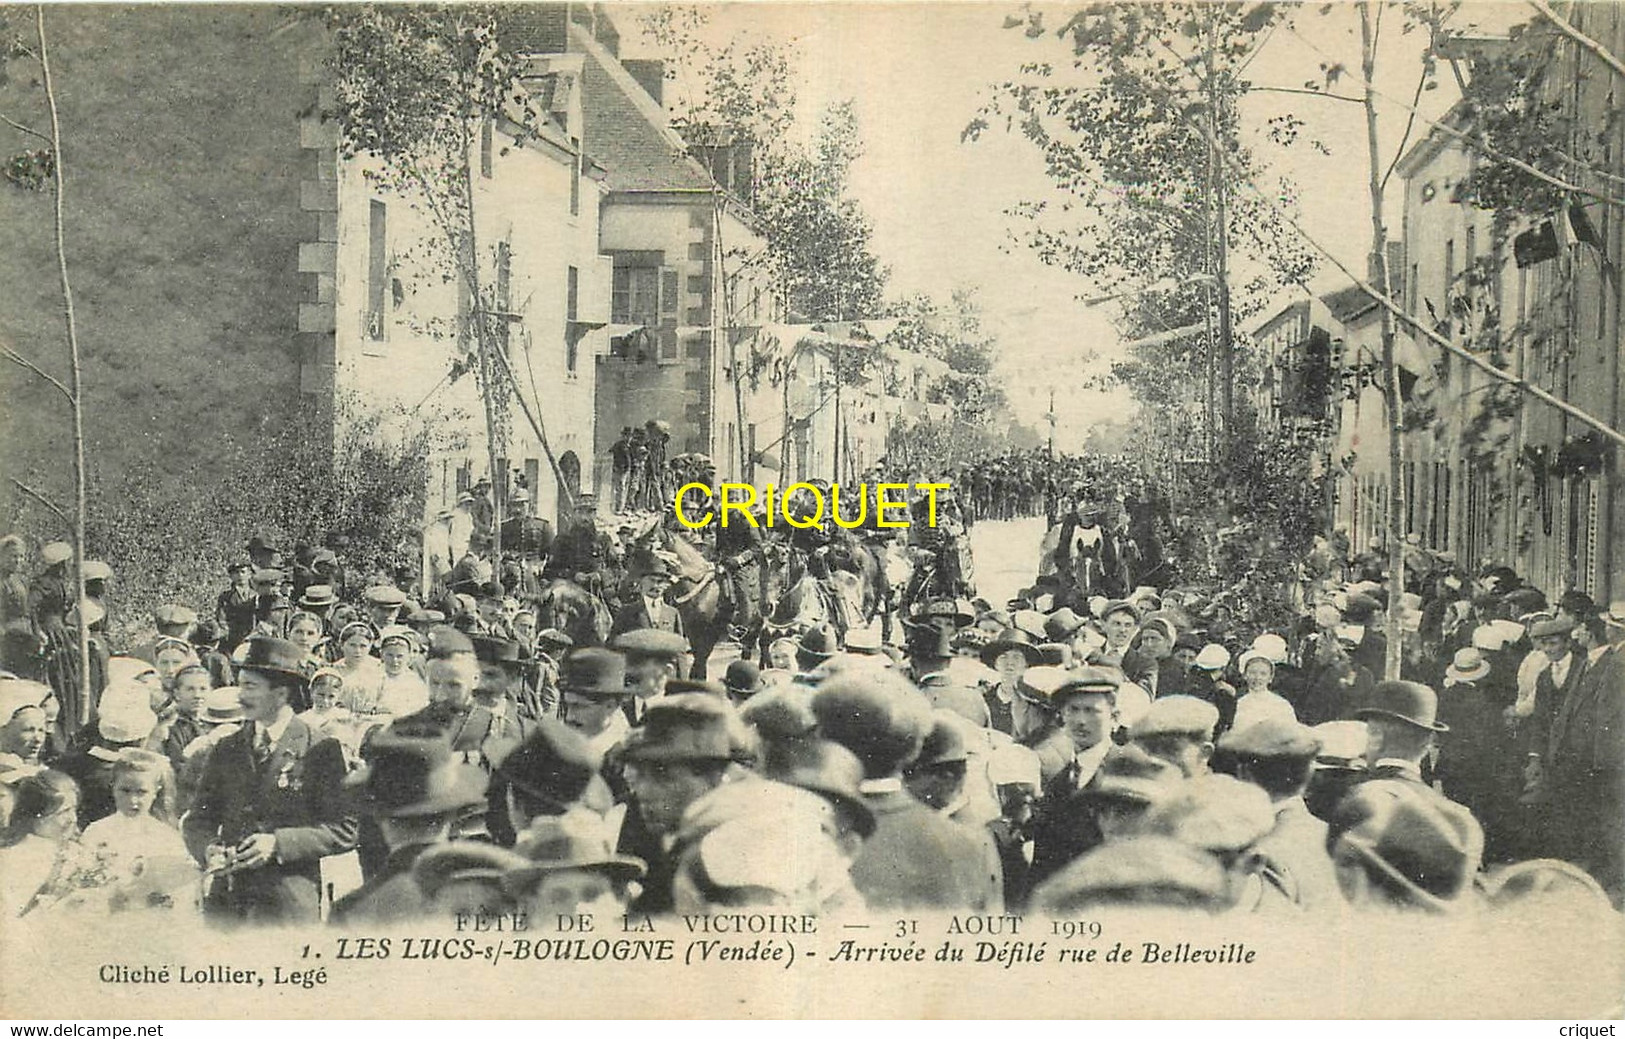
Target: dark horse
{"x": 575, "y": 611}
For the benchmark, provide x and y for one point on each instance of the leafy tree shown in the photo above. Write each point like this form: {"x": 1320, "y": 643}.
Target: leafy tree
{"x": 417, "y": 88}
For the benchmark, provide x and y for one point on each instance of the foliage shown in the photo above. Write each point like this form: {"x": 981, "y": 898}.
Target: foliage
{"x": 416, "y": 88}
{"x": 1123, "y": 124}
{"x": 368, "y": 484}
{"x": 740, "y": 95}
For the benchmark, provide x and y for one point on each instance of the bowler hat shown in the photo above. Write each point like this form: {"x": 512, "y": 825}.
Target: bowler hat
{"x": 317, "y": 596}
{"x": 1011, "y": 640}
{"x": 651, "y": 642}
{"x": 743, "y": 679}
{"x": 1410, "y": 702}
{"x": 554, "y": 765}
{"x": 275, "y": 656}
{"x": 695, "y": 685}
{"x": 594, "y": 673}
{"x": 406, "y": 776}
{"x": 569, "y": 841}
{"x": 826, "y": 768}
{"x": 690, "y": 727}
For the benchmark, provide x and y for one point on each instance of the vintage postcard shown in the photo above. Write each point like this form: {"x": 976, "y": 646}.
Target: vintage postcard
{"x": 802, "y": 510}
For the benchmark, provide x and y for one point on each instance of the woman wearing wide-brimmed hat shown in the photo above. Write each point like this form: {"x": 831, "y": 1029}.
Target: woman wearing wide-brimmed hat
{"x": 1011, "y": 653}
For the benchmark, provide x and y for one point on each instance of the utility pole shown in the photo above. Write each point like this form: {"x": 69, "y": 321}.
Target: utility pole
{"x": 1052, "y": 422}
{"x": 1227, "y": 380}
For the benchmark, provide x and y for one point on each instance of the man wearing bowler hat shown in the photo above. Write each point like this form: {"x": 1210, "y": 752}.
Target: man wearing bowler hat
{"x": 593, "y": 690}
{"x": 1401, "y": 727}
{"x": 414, "y": 788}
{"x": 269, "y": 805}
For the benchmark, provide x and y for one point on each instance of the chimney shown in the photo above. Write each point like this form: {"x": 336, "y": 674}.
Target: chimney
{"x": 535, "y": 28}
{"x": 651, "y": 76}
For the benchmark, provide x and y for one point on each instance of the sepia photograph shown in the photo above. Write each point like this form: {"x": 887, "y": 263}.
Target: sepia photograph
{"x": 805, "y": 510}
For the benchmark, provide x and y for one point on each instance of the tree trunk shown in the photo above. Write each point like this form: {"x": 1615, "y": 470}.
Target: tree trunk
{"x": 75, "y": 380}
{"x": 483, "y": 330}
{"x": 1390, "y": 373}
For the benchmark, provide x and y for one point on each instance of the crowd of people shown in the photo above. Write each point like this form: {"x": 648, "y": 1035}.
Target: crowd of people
{"x": 1059, "y": 752}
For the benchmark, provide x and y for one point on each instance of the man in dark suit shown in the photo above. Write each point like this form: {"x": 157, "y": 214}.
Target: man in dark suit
{"x": 270, "y": 804}
{"x": 1401, "y": 724}
{"x": 414, "y": 788}
{"x": 1277, "y": 755}
{"x": 917, "y": 857}
{"x": 1064, "y": 823}
{"x": 649, "y": 609}
{"x": 1581, "y": 778}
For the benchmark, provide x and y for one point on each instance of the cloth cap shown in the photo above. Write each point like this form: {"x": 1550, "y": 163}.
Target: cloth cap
{"x": 1087, "y": 680}
{"x": 1554, "y": 626}
{"x": 651, "y": 642}
{"x": 1142, "y": 870}
{"x": 384, "y": 595}
{"x": 19, "y": 694}
{"x": 574, "y": 840}
{"x": 1130, "y": 774}
{"x": 1121, "y": 606}
{"x": 1214, "y": 813}
{"x": 1177, "y": 715}
{"x": 491, "y": 649}
{"x": 1256, "y": 707}
{"x": 876, "y": 715}
{"x": 174, "y": 615}
{"x": 1272, "y": 738}
{"x": 945, "y": 742}
{"x": 96, "y": 570}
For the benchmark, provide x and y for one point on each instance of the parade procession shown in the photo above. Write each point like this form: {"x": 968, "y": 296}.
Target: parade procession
{"x": 543, "y": 463}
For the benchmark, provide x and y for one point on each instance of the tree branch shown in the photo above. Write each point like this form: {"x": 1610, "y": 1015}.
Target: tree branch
{"x": 42, "y": 499}
{"x": 18, "y": 359}
{"x": 1410, "y": 124}
{"x": 1310, "y": 93}
{"x": 1579, "y": 37}
{"x": 26, "y": 130}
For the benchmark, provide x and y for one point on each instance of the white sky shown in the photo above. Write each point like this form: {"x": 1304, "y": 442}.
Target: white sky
{"x": 918, "y": 72}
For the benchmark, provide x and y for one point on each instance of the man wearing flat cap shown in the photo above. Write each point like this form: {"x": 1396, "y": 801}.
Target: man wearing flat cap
{"x": 689, "y": 744}
{"x": 1179, "y": 730}
{"x": 652, "y": 659}
{"x": 1277, "y": 755}
{"x": 916, "y": 857}
{"x": 414, "y": 789}
{"x": 1065, "y": 824}
{"x": 269, "y": 805}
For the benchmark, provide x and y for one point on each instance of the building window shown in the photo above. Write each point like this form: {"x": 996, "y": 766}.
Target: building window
{"x": 635, "y": 296}
{"x": 572, "y": 293}
{"x": 377, "y": 271}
